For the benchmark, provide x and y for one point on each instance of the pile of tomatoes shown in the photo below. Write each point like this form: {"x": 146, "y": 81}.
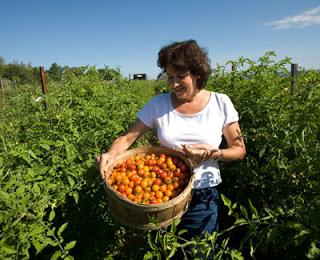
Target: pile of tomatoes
{"x": 150, "y": 179}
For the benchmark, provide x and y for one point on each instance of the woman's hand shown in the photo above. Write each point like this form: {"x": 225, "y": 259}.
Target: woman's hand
{"x": 103, "y": 162}
{"x": 200, "y": 152}
{"x": 120, "y": 144}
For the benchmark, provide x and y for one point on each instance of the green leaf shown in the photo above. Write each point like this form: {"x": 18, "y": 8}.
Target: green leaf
{"x": 76, "y": 197}
{"x": 240, "y": 221}
{"x": 244, "y": 211}
{"x": 236, "y": 255}
{"x": 226, "y": 201}
{"x": 39, "y": 246}
{"x": 71, "y": 181}
{"x": 5, "y": 196}
{"x": 314, "y": 251}
{"x": 33, "y": 155}
{"x": 173, "y": 251}
{"x": 45, "y": 146}
{"x": 225, "y": 242}
{"x": 149, "y": 255}
{"x": 70, "y": 245}
{"x": 8, "y": 249}
{"x": 272, "y": 235}
{"x": 52, "y": 215}
{"x": 254, "y": 211}
{"x": 62, "y": 228}
{"x": 70, "y": 150}
{"x": 181, "y": 232}
{"x": 56, "y": 255}
{"x": 36, "y": 188}
{"x": 261, "y": 152}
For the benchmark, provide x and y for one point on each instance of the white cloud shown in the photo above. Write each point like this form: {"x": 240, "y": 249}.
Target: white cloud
{"x": 299, "y": 21}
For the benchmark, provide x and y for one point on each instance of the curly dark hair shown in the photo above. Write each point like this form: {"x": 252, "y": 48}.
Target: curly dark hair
{"x": 186, "y": 56}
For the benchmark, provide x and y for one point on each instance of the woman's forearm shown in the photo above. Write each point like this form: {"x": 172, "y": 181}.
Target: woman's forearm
{"x": 229, "y": 154}
{"x": 120, "y": 144}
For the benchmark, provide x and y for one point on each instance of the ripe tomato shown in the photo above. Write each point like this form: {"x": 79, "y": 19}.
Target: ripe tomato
{"x": 159, "y": 200}
{"x": 163, "y": 175}
{"x": 165, "y": 198}
{"x": 138, "y": 189}
{"x": 155, "y": 187}
{"x": 176, "y": 185}
{"x": 146, "y": 196}
{"x": 168, "y": 193}
{"x": 128, "y": 190}
{"x": 157, "y": 181}
{"x": 159, "y": 194}
{"x": 170, "y": 187}
{"x": 131, "y": 196}
{"x": 150, "y": 179}
{"x": 144, "y": 184}
{"x": 137, "y": 182}
{"x": 150, "y": 162}
{"x": 125, "y": 181}
{"x": 118, "y": 177}
{"x": 133, "y": 177}
{"x": 121, "y": 188}
{"x": 163, "y": 188}
{"x": 141, "y": 172}
{"x": 162, "y": 156}
{"x": 153, "y": 200}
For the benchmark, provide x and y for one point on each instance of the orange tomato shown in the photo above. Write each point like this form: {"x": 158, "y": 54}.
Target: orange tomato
{"x": 155, "y": 187}
{"x": 150, "y": 179}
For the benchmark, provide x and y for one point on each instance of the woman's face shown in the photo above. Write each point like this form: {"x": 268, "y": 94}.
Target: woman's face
{"x": 183, "y": 84}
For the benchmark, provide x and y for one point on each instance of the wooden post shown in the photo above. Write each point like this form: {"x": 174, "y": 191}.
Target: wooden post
{"x": 233, "y": 70}
{"x": 294, "y": 76}
{"x": 44, "y": 85}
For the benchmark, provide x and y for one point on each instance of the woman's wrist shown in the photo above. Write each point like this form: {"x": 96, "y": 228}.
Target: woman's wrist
{"x": 221, "y": 156}
{"x": 217, "y": 154}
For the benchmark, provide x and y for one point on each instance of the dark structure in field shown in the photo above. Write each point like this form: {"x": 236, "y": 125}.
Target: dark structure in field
{"x": 140, "y": 76}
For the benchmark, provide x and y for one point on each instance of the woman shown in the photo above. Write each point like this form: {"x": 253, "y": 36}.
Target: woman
{"x": 194, "y": 120}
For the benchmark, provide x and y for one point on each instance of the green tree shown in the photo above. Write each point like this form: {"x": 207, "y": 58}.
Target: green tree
{"x": 107, "y": 73}
{"x": 2, "y": 65}
{"x": 19, "y": 73}
{"x": 55, "y": 72}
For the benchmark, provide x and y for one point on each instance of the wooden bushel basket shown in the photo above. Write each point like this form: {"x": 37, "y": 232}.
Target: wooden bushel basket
{"x": 138, "y": 216}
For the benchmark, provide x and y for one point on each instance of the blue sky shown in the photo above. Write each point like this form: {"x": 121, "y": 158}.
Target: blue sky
{"x": 128, "y": 34}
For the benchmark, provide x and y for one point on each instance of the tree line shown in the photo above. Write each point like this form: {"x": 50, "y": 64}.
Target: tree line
{"x": 21, "y": 73}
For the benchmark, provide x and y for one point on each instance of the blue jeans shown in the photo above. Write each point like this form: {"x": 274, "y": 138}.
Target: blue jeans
{"x": 201, "y": 216}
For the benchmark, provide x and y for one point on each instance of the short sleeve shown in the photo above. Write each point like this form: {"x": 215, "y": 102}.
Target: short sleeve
{"x": 231, "y": 114}
{"x": 146, "y": 114}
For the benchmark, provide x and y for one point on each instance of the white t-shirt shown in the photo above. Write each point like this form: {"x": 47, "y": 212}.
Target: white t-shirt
{"x": 206, "y": 127}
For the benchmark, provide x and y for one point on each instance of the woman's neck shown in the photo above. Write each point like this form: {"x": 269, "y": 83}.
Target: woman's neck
{"x": 193, "y": 104}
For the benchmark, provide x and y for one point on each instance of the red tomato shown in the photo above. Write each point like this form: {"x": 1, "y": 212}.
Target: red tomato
{"x": 153, "y": 200}
{"x": 150, "y": 162}
{"x": 150, "y": 179}
{"x": 157, "y": 181}
{"x": 163, "y": 175}
{"x": 121, "y": 188}
{"x": 133, "y": 177}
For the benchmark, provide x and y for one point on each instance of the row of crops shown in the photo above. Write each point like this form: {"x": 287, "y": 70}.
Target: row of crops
{"x": 53, "y": 204}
